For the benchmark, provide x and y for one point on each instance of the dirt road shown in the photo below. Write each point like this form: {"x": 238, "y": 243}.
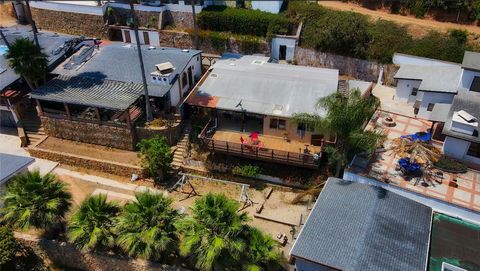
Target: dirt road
{"x": 414, "y": 24}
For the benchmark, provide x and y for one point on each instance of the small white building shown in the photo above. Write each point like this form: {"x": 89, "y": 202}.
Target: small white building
{"x": 461, "y": 129}
{"x": 283, "y": 46}
{"x": 425, "y": 83}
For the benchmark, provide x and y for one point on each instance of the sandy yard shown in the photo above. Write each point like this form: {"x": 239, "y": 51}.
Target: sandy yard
{"x": 416, "y": 26}
{"x": 277, "y": 207}
{"x": 89, "y": 150}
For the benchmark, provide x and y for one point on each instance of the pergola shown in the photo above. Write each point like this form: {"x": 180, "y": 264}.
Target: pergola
{"x": 82, "y": 98}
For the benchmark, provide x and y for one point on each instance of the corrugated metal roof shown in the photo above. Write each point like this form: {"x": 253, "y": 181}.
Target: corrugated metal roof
{"x": 11, "y": 164}
{"x": 356, "y": 226}
{"x": 266, "y": 88}
{"x": 49, "y": 42}
{"x": 89, "y": 92}
{"x": 434, "y": 78}
{"x": 469, "y": 102}
{"x": 119, "y": 62}
{"x": 471, "y": 60}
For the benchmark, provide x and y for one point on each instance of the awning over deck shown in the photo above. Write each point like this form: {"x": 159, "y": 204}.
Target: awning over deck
{"x": 88, "y": 91}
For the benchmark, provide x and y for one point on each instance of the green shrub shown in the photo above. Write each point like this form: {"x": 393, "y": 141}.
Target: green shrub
{"x": 386, "y": 38}
{"x": 450, "y": 165}
{"x": 438, "y": 46}
{"x": 247, "y": 170}
{"x": 156, "y": 156}
{"x": 8, "y": 246}
{"x": 218, "y": 40}
{"x": 249, "y": 44}
{"x": 242, "y": 21}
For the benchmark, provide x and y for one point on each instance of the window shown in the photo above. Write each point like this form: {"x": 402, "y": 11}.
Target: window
{"x": 475, "y": 84}
{"x": 184, "y": 79}
{"x": 474, "y": 150}
{"x": 430, "y": 107}
{"x": 305, "y": 127}
{"x": 278, "y": 124}
{"x": 146, "y": 38}
{"x": 414, "y": 91}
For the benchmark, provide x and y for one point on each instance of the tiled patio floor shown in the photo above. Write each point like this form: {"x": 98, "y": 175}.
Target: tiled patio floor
{"x": 467, "y": 194}
{"x": 271, "y": 142}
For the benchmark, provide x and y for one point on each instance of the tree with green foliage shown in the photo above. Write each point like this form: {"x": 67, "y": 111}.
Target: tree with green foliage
{"x": 8, "y": 246}
{"x": 32, "y": 200}
{"x": 215, "y": 234}
{"x": 262, "y": 253}
{"x": 91, "y": 226}
{"x": 439, "y": 46}
{"x": 345, "y": 118}
{"x": 146, "y": 227}
{"x": 156, "y": 156}
{"x": 28, "y": 61}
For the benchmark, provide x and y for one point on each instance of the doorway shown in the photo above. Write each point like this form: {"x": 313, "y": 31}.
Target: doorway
{"x": 146, "y": 39}
{"x": 126, "y": 33}
{"x": 282, "y": 52}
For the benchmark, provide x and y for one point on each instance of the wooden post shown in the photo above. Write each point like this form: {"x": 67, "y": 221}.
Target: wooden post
{"x": 128, "y": 119}
{"x": 272, "y": 154}
{"x": 288, "y": 156}
{"x": 39, "y": 107}
{"x": 67, "y": 109}
{"x": 213, "y": 145}
{"x": 227, "y": 146}
{"x": 97, "y": 112}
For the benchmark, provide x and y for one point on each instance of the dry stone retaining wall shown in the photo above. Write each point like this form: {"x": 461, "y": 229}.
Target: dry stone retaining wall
{"x": 87, "y": 162}
{"x": 70, "y": 23}
{"x": 358, "y": 68}
{"x": 174, "y": 133}
{"x": 93, "y": 133}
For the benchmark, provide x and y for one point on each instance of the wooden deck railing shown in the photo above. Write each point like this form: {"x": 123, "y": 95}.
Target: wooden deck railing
{"x": 255, "y": 152}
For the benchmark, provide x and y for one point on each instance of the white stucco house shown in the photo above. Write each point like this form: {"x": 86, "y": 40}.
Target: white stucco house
{"x": 425, "y": 83}
{"x": 461, "y": 128}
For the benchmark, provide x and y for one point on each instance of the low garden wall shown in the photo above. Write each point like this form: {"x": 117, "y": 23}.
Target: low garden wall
{"x": 70, "y": 23}
{"x": 87, "y": 162}
{"x": 172, "y": 134}
{"x": 179, "y": 19}
{"x": 68, "y": 256}
{"x": 358, "y": 68}
{"x": 93, "y": 133}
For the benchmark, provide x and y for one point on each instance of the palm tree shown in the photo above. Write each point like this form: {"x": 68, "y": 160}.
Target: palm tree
{"x": 262, "y": 253}
{"x": 91, "y": 226}
{"x": 28, "y": 61}
{"x": 146, "y": 227}
{"x": 346, "y": 115}
{"x": 134, "y": 24}
{"x": 214, "y": 236}
{"x": 32, "y": 200}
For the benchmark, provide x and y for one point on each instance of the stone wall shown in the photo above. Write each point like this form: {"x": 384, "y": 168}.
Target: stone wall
{"x": 179, "y": 19}
{"x": 70, "y": 23}
{"x": 149, "y": 19}
{"x": 66, "y": 255}
{"x": 93, "y": 133}
{"x": 176, "y": 39}
{"x": 87, "y": 162}
{"x": 354, "y": 67}
{"x": 172, "y": 135}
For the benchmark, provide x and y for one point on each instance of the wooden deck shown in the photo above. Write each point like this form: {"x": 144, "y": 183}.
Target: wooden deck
{"x": 270, "y": 142}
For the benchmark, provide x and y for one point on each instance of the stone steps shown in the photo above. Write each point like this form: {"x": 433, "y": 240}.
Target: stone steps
{"x": 181, "y": 148}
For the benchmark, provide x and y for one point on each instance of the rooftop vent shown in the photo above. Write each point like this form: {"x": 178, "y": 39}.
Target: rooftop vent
{"x": 467, "y": 117}
{"x": 213, "y": 75}
{"x": 185, "y": 50}
{"x": 165, "y": 68}
{"x": 258, "y": 62}
{"x": 151, "y": 48}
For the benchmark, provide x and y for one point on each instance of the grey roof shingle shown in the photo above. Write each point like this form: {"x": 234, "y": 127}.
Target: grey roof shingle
{"x": 356, "y": 226}
{"x": 89, "y": 91}
{"x": 469, "y": 102}
{"x": 471, "y": 60}
{"x": 119, "y": 62}
{"x": 49, "y": 42}
{"x": 434, "y": 78}
{"x": 11, "y": 164}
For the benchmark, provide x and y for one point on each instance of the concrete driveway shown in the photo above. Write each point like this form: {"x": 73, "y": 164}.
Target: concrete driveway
{"x": 10, "y": 143}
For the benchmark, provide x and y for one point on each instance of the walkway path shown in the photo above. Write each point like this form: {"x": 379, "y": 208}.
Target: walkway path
{"x": 406, "y": 20}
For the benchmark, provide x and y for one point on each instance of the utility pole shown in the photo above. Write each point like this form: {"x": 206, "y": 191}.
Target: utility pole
{"x": 32, "y": 23}
{"x": 195, "y": 26}
{"x": 148, "y": 108}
